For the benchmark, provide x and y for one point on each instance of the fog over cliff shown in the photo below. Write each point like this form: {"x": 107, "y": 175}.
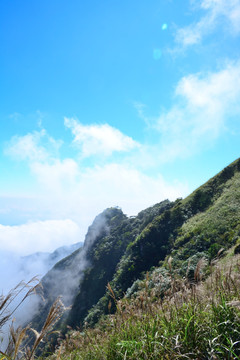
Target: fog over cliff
{"x": 16, "y": 268}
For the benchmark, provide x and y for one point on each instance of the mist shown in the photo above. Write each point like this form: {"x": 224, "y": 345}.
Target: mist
{"x": 65, "y": 277}
{"x": 16, "y": 268}
{"x": 20, "y": 270}
{"x": 62, "y": 278}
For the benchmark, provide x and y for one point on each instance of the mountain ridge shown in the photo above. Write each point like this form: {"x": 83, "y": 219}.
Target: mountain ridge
{"x": 126, "y": 248}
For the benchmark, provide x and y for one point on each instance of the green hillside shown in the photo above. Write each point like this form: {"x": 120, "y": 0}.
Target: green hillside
{"x": 193, "y": 320}
{"x": 201, "y": 224}
{"x": 125, "y": 248}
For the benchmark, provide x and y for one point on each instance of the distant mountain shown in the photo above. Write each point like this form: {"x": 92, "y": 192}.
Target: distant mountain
{"x": 40, "y": 263}
{"x": 120, "y": 250}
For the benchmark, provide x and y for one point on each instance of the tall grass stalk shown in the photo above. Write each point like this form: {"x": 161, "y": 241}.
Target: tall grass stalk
{"x": 17, "y": 348}
{"x": 194, "y": 320}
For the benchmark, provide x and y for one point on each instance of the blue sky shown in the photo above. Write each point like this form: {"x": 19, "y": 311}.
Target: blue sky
{"x": 110, "y": 103}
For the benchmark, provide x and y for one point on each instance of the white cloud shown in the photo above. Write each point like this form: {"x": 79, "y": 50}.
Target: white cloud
{"x": 125, "y": 186}
{"x": 204, "y": 105}
{"x": 27, "y": 147}
{"x": 80, "y": 194}
{"x": 69, "y": 189}
{"x": 99, "y": 139}
{"x": 57, "y": 174}
{"x": 38, "y": 236}
{"x": 35, "y": 146}
{"x": 225, "y": 13}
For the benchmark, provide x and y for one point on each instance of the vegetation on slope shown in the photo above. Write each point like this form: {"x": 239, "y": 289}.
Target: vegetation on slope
{"x": 203, "y": 223}
{"x": 194, "y": 320}
{"x": 103, "y": 258}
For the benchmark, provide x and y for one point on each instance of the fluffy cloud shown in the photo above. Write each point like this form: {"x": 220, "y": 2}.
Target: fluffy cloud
{"x": 56, "y": 175}
{"x": 99, "y": 139}
{"x": 125, "y": 186}
{"x": 204, "y": 105}
{"x": 36, "y": 146}
{"x": 38, "y": 236}
{"x": 224, "y": 12}
{"x": 80, "y": 194}
{"x": 71, "y": 189}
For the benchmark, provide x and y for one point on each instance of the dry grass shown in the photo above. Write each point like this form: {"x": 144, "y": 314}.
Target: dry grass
{"x": 195, "y": 320}
{"x": 17, "y": 348}
{"x": 27, "y": 289}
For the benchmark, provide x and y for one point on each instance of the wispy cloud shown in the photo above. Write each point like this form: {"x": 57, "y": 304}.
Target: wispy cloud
{"x": 99, "y": 139}
{"x": 204, "y": 103}
{"x": 35, "y": 146}
{"x": 224, "y": 13}
{"x": 56, "y": 175}
{"x": 140, "y": 107}
{"x": 38, "y": 236}
{"x": 67, "y": 188}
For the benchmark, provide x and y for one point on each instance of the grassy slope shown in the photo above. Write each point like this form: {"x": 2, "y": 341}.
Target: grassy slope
{"x": 203, "y": 223}
{"x": 193, "y": 321}
{"x": 219, "y": 224}
{"x": 197, "y": 226}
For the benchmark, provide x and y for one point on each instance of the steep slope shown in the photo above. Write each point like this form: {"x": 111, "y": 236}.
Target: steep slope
{"x": 64, "y": 278}
{"x": 204, "y": 222}
{"x": 105, "y": 256}
{"x": 82, "y": 277}
{"x": 120, "y": 250}
{"x": 191, "y": 321}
